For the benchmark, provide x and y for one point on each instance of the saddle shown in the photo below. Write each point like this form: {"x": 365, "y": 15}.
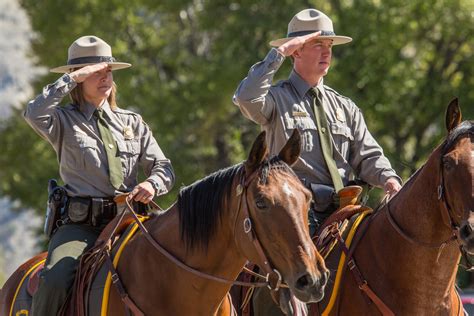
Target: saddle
{"x": 33, "y": 280}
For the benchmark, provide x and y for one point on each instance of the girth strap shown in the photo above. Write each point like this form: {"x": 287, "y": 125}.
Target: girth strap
{"x": 120, "y": 288}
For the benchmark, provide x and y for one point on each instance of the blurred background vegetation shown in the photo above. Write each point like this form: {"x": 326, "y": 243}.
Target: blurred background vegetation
{"x": 407, "y": 61}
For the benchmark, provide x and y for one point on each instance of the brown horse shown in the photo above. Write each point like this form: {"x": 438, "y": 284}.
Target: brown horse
{"x": 217, "y": 225}
{"x": 408, "y": 253}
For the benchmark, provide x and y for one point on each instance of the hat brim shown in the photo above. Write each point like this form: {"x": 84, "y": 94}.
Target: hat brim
{"x": 337, "y": 40}
{"x": 67, "y": 68}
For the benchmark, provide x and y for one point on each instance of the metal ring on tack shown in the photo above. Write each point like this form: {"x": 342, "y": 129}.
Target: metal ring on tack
{"x": 247, "y": 225}
{"x": 267, "y": 279}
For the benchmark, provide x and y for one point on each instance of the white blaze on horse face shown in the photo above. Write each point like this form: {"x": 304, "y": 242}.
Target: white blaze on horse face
{"x": 287, "y": 189}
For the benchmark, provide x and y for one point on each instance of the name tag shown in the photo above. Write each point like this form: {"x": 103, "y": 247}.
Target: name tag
{"x": 300, "y": 114}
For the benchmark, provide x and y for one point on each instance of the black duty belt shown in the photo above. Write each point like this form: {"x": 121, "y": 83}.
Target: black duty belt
{"x": 97, "y": 211}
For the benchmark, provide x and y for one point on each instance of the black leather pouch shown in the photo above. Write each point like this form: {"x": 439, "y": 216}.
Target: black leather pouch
{"x": 78, "y": 209}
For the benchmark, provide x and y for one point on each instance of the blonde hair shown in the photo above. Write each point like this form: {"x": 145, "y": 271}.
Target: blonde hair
{"x": 77, "y": 95}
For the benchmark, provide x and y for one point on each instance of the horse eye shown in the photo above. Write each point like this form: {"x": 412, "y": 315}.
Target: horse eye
{"x": 447, "y": 164}
{"x": 260, "y": 203}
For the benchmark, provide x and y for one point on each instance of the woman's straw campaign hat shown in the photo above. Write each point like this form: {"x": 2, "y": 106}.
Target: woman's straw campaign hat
{"x": 89, "y": 50}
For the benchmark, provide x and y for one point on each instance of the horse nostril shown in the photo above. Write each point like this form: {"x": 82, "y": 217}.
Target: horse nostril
{"x": 326, "y": 277}
{"x": 305, "y": 282}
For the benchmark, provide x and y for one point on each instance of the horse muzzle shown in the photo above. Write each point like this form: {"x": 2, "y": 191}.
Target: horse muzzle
{"x": 309, "y": 288}
{"x": 466, "y": 234}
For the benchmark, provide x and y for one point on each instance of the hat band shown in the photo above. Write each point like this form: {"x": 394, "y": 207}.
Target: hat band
{"x": 301, "y": 33}
{"x": 91, "y": 60}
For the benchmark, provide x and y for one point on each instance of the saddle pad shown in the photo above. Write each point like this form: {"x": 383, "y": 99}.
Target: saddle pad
{"x": 336, "y": 261}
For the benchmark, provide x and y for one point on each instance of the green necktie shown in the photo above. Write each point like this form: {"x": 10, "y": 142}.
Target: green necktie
{"x": 325, "y": 138}
{"x": 115, "y": 165}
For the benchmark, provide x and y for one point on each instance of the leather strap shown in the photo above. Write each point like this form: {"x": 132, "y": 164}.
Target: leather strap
{"x": 120, "y": 288}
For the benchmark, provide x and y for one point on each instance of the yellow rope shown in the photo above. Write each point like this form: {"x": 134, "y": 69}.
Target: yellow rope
{"x": 337, "y": 282}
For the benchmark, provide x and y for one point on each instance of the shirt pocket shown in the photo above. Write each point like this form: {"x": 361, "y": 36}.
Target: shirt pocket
{"x": 80, "y": 152}
{"x": 342, "y": 137}
{"x": 307, "y": 129}
{"x": 129, "y": 150}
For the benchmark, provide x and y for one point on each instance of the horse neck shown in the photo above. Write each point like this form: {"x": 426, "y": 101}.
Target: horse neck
{"x": 222, "y": 257}
{"x": 418, "y": 212}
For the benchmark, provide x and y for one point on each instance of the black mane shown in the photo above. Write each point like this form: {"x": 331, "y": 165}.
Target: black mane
{"x": 201, "y": 204}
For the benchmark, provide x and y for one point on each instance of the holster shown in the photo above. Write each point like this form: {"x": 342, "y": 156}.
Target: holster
{"x": 55, "y": 210}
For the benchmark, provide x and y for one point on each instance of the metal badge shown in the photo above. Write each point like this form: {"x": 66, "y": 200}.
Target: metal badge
{"x": 340, "y": 115}
{"x": 128, "y": 132}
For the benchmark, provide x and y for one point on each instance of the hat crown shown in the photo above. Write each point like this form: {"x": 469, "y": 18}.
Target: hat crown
{"x": 88, "y": 46}
{"x": 310, "y": 20}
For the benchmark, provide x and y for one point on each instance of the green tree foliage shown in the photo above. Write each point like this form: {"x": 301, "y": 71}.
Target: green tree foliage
{"x": 408, "y": 59}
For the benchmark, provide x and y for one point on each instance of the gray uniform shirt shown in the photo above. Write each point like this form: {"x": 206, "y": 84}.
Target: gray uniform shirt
{"x": 74, "y": 135}
{"x": 287, "y": 105}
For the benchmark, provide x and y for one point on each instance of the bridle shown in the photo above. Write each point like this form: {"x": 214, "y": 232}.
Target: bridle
{"x": 447, "y": 215}
{"x": 273, "y": 279}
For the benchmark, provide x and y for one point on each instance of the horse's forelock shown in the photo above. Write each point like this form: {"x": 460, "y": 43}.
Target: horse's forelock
{"x": 273, "y": 163}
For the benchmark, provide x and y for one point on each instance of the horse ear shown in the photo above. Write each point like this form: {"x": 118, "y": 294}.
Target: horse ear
{"x": 292, "y": 149}
{"x": 453, "y": 115}
{"x": 258, "y": 153}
